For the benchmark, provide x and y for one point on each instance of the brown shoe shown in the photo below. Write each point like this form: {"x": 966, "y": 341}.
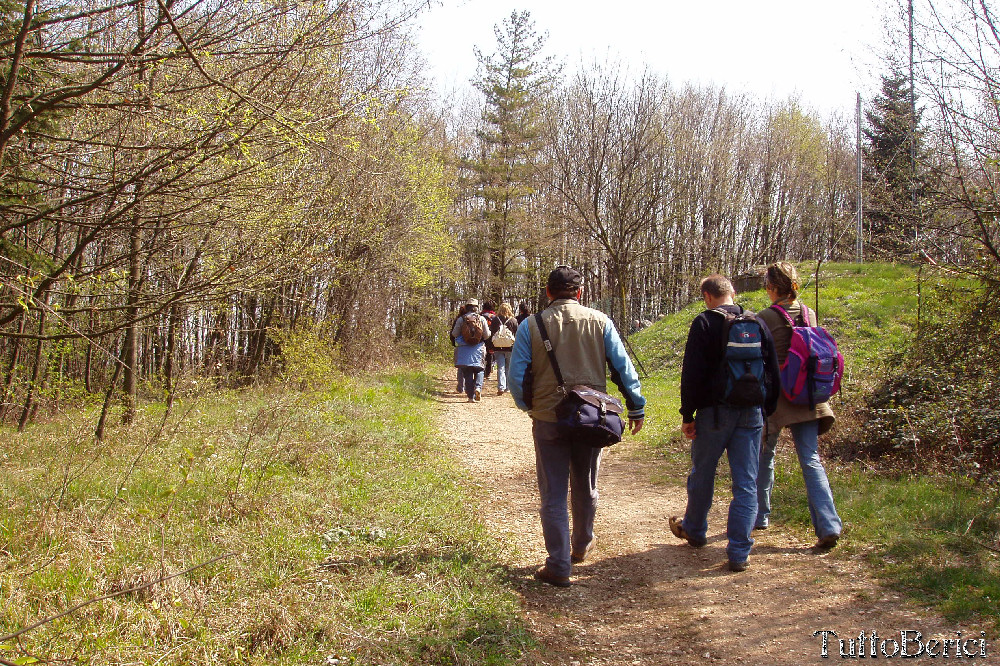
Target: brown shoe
{"x": 577, "y": 558}
{"x": 547, "y": 576}
{"x": 827, "y": 542}
{"x": 677, "y": 527}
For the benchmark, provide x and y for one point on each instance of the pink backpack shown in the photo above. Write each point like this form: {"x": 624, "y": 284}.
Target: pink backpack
{"x": 812, "y": 371}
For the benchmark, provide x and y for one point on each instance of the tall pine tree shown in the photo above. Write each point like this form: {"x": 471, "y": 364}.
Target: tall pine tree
{"x": 515, "y": 83}
{"x": 892, "y": 181}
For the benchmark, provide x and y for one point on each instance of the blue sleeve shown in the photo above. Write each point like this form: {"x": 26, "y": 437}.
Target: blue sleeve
{"x": 520, "y": 359}
{"x": 623, "y": 373}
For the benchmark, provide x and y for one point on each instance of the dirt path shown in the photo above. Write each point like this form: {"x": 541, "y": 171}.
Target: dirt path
{"x": 645, "y": 597}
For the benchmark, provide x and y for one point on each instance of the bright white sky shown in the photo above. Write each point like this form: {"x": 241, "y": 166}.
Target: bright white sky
{"x": 823, "y": 51}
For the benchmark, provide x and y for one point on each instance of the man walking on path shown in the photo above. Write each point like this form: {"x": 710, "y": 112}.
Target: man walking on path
{"x": 730, "y": 416}
{"x": 470, "y": 332}
{"x": 586, "y": 342}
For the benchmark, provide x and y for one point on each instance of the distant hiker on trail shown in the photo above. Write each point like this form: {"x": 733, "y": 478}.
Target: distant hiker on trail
{"x": 470, "y": 332}
{"x": 491, "y": 322}
{"x": 523, "y": 311}
{"x": 729, "y": 380}
{"x": 460, "y": 378}
{"x": 586, "y": 343}
{"x": 781, "y": 281}
{"x": 503, "y": 342}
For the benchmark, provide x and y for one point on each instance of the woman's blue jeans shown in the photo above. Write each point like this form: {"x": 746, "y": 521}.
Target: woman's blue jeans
{"x": 822, "y": 511}
{"x": 735, "y": 431}
{"x": 503, "y": 362}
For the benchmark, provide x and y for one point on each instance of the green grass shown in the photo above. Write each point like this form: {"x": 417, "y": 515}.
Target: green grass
{"x": 342, "y": 525}
{"x": 936, "y": 536}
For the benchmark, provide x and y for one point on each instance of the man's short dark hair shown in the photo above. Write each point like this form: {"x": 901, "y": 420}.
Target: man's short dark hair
{"x": 717, "y": 286}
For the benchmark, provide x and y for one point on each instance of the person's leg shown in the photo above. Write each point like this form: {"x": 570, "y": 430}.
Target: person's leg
{"x": 478, "y": 382}
{"x": 744, "y": 456}
{"x": 552, "y": 464}
{"x": 502, "y": 359}
{"x": 712, "y": 428}
{"x": 765, "y": 479}
{"x": 584, "y": 466}
{"x": 824, "y": 516}
{"x": 469, "y": 377}
{"x": 460, "y": 382}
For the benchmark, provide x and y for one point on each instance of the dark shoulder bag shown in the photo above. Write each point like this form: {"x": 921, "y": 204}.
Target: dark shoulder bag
{"x": 586, "y": 415}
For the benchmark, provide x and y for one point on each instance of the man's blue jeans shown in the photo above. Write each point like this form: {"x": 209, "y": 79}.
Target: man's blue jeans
{"x": 565, "y": 468}
{"x": 472, "y": 379}
{"x": 736, "y": 431}
{"x": 824, "y": 516}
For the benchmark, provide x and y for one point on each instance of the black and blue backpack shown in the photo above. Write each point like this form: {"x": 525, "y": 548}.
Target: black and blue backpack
{"x": 742, "y": 381}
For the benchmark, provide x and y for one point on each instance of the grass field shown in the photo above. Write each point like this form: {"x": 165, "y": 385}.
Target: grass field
{"x": 321, "y": 527}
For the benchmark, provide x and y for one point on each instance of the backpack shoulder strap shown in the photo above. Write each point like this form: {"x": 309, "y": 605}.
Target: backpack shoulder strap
{"x": 548, "y": 347}
{"x": 784, "y": 313}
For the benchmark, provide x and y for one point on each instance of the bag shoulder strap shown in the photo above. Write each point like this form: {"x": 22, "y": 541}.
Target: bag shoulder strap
{"x": 548, "y": 347}
{"x": 784, "y": 313}
{"x": 803, "y": 315}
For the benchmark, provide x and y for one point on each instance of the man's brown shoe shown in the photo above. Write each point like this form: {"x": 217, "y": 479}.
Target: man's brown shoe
{"x": 577, "y": 558}
{"x": 827, "y": 542}
{"x": 547, "y": 576}
{"x": 677, "y": 527}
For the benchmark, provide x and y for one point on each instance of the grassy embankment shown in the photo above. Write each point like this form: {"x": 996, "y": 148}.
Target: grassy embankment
{"x": 933, "y": 536}
{"x": 344, "y": 534}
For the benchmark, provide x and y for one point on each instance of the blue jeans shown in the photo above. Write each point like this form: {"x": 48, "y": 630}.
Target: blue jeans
{"x": 473, "y": 378}
{"x": 461, "y": 380}
{"x": 564, "y": 468}
{"x": 737, "y": 431}
{"x": 503, "y": 362}
{"x": 822, "y": 511}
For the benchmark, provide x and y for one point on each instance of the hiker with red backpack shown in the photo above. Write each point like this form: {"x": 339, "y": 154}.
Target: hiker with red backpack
{"x": 802, "y": 406}
{"x": 470, "y": 332}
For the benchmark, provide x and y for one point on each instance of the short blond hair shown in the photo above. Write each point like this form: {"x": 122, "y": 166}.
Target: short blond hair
{"x": 505, "y": 311}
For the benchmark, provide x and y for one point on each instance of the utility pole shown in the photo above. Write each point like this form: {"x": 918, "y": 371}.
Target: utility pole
{"x": 913, "y": 139}
{"x": 859, "y": 228}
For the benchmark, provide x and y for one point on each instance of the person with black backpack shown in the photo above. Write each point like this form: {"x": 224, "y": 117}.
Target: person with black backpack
{"x": 805, "y": 421}
{"x": 470, "y": 332}
{"x": 729, "y": 382}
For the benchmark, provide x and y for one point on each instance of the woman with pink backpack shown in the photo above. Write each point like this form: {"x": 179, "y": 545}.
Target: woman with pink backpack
{"x": 807, "y": 418}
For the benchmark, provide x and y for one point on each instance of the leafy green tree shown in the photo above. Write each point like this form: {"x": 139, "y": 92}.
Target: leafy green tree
{"x": 515, "y": 82}
{"x": 892, "y": 184}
